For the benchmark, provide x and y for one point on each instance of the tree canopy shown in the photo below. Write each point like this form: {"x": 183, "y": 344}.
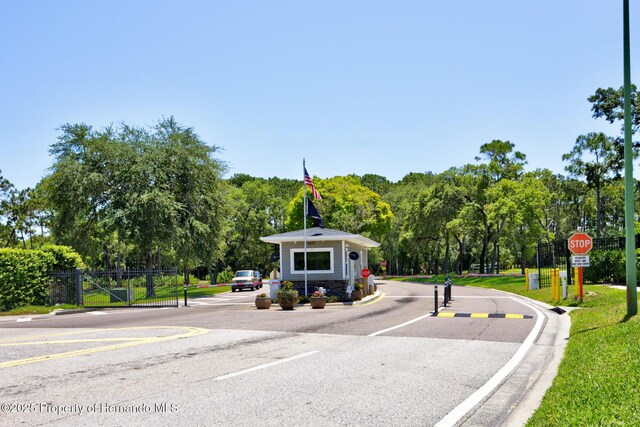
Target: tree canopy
{"x": 126, "y": 195}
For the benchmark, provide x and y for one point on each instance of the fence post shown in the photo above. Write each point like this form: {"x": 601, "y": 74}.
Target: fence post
{"x": 568, "y": 258}
{"x": 538, "y": 263}
{"x": 78, "y": 283}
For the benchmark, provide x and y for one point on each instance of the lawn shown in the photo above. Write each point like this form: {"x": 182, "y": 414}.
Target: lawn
{"x": 598, "y": 381}
{"x": 101, "y": 298}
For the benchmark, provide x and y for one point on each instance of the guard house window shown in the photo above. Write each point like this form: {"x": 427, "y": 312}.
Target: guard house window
{"x": 319, "y": 260}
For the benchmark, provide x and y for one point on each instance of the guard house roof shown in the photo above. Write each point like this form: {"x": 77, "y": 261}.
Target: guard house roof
{"x": 317, "y": 234}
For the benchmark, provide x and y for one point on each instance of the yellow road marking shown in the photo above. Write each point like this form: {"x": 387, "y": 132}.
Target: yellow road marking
{"x": 191, "y": 331}
{"x": 61, "y": 334}
{"x": 69, "y": 341}
{"x": 484, "y": 315}
{"x": 375, "y": 300}
{"x": 446, "y": 314}
{"x": 514, "y": 316}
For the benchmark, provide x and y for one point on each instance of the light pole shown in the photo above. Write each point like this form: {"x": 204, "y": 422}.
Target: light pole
{"x": 629, "y": 220}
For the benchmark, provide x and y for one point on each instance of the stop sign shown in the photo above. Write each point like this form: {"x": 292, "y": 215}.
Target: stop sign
{"x": 365, "y": 272}
{"x": 580, "y": 243}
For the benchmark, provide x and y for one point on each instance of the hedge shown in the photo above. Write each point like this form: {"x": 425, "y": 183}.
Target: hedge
{"x": 24, "y": 274}
{"x": 607, "y": 266}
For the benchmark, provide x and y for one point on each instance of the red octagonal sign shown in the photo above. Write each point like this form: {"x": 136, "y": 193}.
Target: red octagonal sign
{"x": 580, "y": 243}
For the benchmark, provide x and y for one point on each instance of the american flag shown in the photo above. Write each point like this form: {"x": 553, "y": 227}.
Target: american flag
{"x": 308, "y": 181}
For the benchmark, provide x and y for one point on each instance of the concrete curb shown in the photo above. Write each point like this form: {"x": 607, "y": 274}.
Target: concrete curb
{"x": 63, "y": 312}
{"x": 368, "y": 299}
{"x": 517, "y": 398}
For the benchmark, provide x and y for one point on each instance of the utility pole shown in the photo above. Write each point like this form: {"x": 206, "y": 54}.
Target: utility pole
{"x": 629, "y": 211}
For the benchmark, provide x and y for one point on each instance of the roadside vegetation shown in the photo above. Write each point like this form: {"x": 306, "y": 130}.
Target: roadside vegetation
{"x": 152, "y": 196}
{"x": 597, "y": 382}
{"x": 193, "y": 291}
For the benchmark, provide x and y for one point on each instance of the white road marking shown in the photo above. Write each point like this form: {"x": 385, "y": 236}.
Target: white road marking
{"x": 440, "y": 296}
{"x": 24, "y": 319}
{"x": 97, "y": 313}
{"x": 266, "y": 365}
{"x": 479, "y": 395}
{"x": 399, "y": 326}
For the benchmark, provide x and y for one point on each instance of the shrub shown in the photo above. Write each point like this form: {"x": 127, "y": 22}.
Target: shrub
{"x": 225, "y": 276}
{"x": 65, "y": 258}
{"x": 606, "y": 267}
{"x": 333, "y": 298}
{"x": 24, "y": 277}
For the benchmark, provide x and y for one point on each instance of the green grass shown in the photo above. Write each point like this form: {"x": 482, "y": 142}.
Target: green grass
{"x": 101, "y": 298}
{"x": 513, "y": 284}
{"x": 195, "y": 292}
{"x": 163, "y": 293}
{"x": 598, "y": 380}
{"x": 36, "y": 309}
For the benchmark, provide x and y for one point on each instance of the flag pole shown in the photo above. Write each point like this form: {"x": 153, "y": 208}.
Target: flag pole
{"x": 304, "y": 221}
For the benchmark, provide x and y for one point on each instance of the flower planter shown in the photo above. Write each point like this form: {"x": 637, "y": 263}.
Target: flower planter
{"x": 288, "y": 304}
{"x": 357, "y": 294}
{"x": 318, "y": 302}
{"x": 263, "y": 303}
{"x": 287, "y": 296}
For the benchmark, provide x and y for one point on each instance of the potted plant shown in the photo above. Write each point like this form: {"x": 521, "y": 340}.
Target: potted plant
{"x": 287, "y": 296}
{"x": 357, "y": 292}
{"x": 263, "y": 301}
{"x": 318, "y": 300}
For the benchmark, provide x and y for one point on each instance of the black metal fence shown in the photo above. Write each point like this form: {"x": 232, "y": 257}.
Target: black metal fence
{"x": 116, "y": 288}
{"x": 557, "y": 255}
{"x": 552, "y": 255}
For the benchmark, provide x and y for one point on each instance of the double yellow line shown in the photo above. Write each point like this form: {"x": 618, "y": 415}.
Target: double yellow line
{"x": 130, "y": 342}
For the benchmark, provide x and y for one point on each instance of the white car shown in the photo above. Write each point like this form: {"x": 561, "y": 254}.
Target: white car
{"x": 246, "y": 279}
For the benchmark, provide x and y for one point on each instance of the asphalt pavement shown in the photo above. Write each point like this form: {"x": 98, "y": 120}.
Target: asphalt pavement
{"x": 385, "y": 361}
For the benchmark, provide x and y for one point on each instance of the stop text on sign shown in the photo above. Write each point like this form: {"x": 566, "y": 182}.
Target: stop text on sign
{"x": 580, "y": 243}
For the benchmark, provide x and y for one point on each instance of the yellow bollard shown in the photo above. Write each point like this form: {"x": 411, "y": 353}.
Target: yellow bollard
{"x": 555, "y": 284}
{"x": 576, "y": 280}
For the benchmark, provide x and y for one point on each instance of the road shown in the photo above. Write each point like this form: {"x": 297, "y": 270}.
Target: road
{"x": 220, "y": 361}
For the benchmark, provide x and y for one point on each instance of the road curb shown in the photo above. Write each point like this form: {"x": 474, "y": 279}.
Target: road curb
{"x": 63, "y": 312}
{"x": 366, "y": 300}
{"x": 537, "y": 370}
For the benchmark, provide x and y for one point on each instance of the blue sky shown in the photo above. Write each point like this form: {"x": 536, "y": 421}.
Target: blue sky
{"x": 384, "y": 87}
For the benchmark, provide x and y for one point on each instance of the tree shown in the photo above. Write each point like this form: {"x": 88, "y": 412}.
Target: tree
{"x": 5, "y": 193}
{"x": 503, "y": 161}
{"x": 346, "y": 205}
{"x": 377, "y": 183}
{"x": 598, "y": 171}
{"x": 609, "y": 104}
{"x": 156, "y": 189}
{"x": 429, "y": 217}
